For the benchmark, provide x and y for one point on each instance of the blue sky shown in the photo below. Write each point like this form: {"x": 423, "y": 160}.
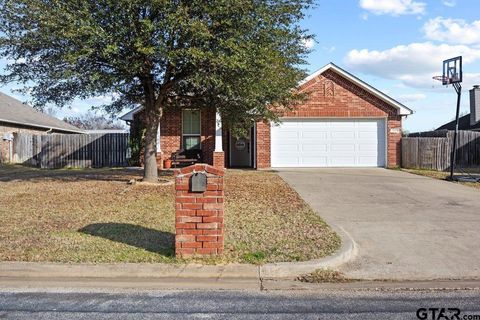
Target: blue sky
{"x": 394, "y": 45}
{"x": 397, "y": 46}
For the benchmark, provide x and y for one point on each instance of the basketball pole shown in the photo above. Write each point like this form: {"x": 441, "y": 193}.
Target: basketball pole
{"x": 453, "y": 160}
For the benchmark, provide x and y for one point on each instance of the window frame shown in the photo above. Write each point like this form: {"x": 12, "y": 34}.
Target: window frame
{"x": 199, "y": 135}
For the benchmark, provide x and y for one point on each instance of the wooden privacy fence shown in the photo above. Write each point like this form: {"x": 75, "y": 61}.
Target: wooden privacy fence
{"x": 72, "y": 150}
{"x": 432, "y": 150}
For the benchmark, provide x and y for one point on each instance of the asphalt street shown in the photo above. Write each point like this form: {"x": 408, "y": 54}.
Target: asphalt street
{"x": 326, "y": 304}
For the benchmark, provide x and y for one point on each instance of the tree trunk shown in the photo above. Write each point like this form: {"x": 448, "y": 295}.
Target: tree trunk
{"x": 150, "y": 173}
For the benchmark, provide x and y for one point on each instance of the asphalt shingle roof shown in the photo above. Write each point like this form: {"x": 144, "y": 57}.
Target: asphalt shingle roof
{"x": 14, "y": 111}
{"x": 463, "y": 124}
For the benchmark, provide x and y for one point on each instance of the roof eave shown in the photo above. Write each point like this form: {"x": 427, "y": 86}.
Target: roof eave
{"x": 129, "y": 115}
{"x": 41, "y": 126}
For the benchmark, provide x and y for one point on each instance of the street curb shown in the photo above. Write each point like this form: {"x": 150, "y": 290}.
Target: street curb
{"x": 271, "y": 271}
{"x": 126, "y": 270}
{"x": 290, "y": 270}
{"x": 285, "y": 270}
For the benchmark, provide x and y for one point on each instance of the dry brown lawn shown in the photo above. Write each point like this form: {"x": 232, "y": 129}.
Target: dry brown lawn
{"x": 93, "y": 215}
{"x": 443, "y": 176}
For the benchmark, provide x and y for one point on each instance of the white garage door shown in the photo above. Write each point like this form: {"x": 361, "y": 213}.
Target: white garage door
{"x": 329, "y": 143}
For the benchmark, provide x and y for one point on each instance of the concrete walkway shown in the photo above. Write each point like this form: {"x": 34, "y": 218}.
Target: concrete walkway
{"x": 405, "y": 226}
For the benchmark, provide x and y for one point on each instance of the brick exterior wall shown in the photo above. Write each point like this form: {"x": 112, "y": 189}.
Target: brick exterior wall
{"x": 332, "y": 96}
{"x": 263, "y": 145}
{"x": 199, "y": 217}
{"x": 219, "y": 160}
{"x": 171, "y": 134}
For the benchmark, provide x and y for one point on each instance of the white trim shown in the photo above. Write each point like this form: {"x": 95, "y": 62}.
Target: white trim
{"x": 386, "y": 142}
{"x": 402, "y": 109}
{"x": 129, "y": 115}
{"x": 159, "y": 146}
{"x": 254, "y": 145}
{"x": 229, "y": 149}
{"x": 332, "y": 117}
{"x": 218, "y": 133}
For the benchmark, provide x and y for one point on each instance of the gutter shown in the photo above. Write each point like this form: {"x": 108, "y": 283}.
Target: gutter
{"x": 49, "y": 128}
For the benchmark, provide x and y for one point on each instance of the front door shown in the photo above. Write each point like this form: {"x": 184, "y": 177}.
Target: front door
{"x": 240, "y": 152}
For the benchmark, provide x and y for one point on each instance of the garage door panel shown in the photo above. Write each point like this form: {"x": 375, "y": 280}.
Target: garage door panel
{"x": 342, "y": 125}
{"x": 314, "y": 161}
{"x": 314, "y": 149}
{"x": 329, "y": 143}
{"x": 314, "y": 135}
{"x": 347, "y": 147}
{"x": 314, "y": 125}
{"x": 367, "y": 134}
{"x": 368, "y": 148}
{"x": 342, "y": 135}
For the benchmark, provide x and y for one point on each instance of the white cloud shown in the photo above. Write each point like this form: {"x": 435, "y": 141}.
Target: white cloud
{"x": 393, "y": 7}
{"x": 455, "y": 31}
{"x": 309, "y": 43}
{"x": 413, "y": 64}
{"x": 412, "y": 97}
{"x": 450, "y": 3}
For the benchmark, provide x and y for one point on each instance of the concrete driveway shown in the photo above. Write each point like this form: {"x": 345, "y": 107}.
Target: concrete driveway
{"x": 406, "y": 226}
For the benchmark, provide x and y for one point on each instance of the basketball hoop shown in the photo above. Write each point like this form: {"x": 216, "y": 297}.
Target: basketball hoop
{"x": 453, "y": 74}
{"x": 443, "y": 79}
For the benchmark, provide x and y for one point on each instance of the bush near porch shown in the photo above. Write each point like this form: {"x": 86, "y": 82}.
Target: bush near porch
{"x": 95, "y": 216}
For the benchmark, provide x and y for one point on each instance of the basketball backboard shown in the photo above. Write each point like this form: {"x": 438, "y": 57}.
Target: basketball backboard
{"x": 452, "y": 71}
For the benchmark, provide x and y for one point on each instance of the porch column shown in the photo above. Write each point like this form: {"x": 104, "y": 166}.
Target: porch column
{"x": 218, "y": 154}
{"x": 159, "y": 149}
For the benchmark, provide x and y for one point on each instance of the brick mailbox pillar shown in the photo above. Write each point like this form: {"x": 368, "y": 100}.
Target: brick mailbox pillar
{"x": 199, "y": 211}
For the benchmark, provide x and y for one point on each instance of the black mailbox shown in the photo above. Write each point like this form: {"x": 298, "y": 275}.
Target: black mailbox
{"x": 198, "y": 182}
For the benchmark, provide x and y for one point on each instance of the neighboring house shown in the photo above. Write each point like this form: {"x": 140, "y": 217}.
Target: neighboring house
{"x": 343, "y": 123}
{"x": 16, "y": 117}
{"x": 469, "y": 121}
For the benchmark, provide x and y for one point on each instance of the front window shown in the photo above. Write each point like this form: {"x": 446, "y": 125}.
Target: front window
{"x": 191, "y": 129}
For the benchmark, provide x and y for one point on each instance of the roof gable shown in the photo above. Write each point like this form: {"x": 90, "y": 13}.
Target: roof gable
{"x": 402, "y": 109}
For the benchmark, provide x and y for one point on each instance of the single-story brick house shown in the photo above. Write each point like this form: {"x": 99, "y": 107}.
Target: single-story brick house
{"x": 16, "y": 117}
{"x": 344, "y": 122}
